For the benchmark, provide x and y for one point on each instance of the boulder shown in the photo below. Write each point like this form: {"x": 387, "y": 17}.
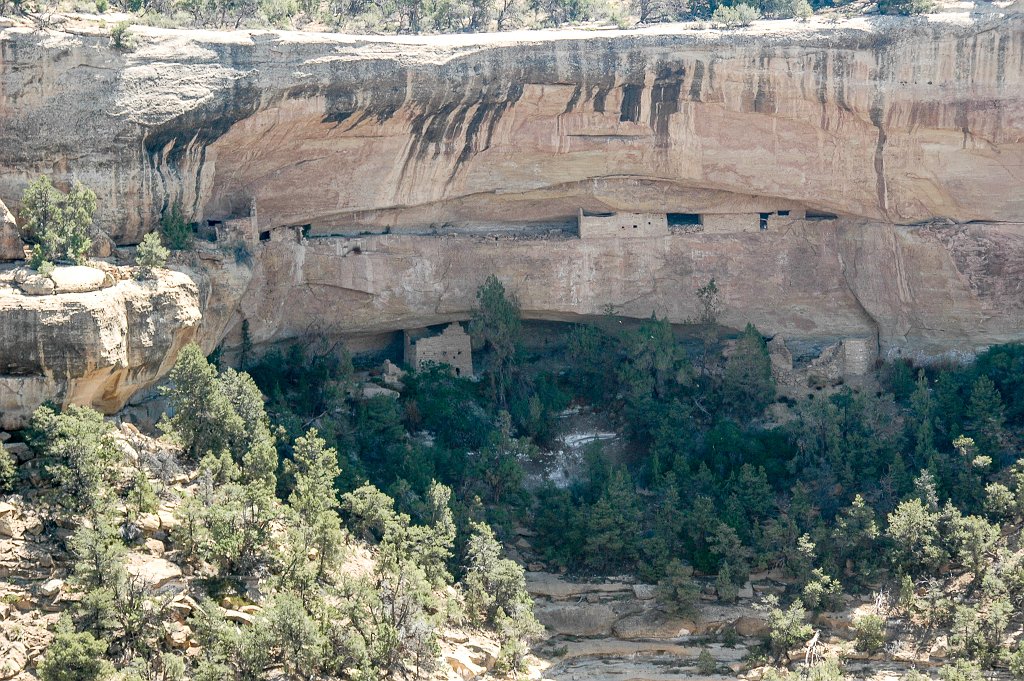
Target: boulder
{"x": 154, "y": 547}
{"x": 51, "y": 588}
{"x": 371, "y": 390}
{"x": 148, "y": 523}
{"x": 94, "y": 349}
{"x": 167, "y": 520}
{"x": 35, "y": 285}
{"x": 10, "y": 527}
{"x": 178, "y": 635}
{"x": 583, "y": 619}
{"x": 652, "y": 624}
{"x": 33, "y": 525}
{"x": 79, "y": 279}
{"x": 20, "y": 450}
{"x": 239, "y": 617}
{"x": 460, "y": 662}
{"x": 644, "y": 592}
{"x": 751, "y": 627}
{"x": 158, "y": 573}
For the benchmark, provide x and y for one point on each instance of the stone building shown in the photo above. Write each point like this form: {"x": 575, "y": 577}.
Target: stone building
{"x": 659, "y": 224}
{"x": 452, "y": 347}
{"x": 622, "y": 224}
{"x": 859, "y": 355}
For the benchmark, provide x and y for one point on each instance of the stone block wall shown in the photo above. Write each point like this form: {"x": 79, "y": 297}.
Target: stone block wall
{"x": 622, "y": 225}
{"x": 859, "y": 356}
{"x": 451, "y": 347}
{"x": 723, "y": 223}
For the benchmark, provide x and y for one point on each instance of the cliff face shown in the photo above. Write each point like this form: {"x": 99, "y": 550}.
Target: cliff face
{"x": 892, "y": 119}
{"x": 910, "y": 130}
{"x": 921, "y": 291}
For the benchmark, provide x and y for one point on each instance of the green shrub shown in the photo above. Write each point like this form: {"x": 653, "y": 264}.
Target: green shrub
{"x": 1016, "y": 662}
{"x": 705, "y": 662}
{"x": 677, "y": 592}
{"x": 149, "y": 254}
{"x": 57, "y": 223}
{"x": 8, "y": 471}
{"x": 786, "y": 628}
{"x": 788, "y": 9}
{"x": 121, "y": 36}
{"x": 961, "y": 670}
{"x": 176, "y": 233}
{"x": 738, "y": 15}
{"x": 870, "y": 633}
{"x": 905, "y": 7}
{"x": 45, "y": 268}
{"x": 822, "y": 592}
{"x": 102, "y": 6}
{"x": 74, "y": 656}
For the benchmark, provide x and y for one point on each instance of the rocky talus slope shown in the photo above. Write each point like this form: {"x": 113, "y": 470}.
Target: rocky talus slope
{"x": 37, "y": 583}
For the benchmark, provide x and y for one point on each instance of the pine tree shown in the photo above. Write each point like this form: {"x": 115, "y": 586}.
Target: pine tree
{"x": 614, "y": 525}
{"x": 747, "y": 383}
{"x": 253, "y": 443}
{"x": 81, "y": 454}
{"x": 314, "y": 500}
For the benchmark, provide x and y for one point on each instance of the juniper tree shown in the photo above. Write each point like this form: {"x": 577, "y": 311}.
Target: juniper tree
{"x": 496, "y": 329}
{"x": 57, "y": 223}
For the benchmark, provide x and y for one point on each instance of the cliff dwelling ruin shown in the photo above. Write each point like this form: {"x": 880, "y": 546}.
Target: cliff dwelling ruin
{"x": 450, "y": 348}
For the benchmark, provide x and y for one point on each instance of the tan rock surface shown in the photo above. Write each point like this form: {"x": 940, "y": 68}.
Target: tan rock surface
{"x": 94, "y": 348}
{"x": 79, "y": 279}
{"x": 922, "y": 291}
{"x": 11, "y": 245}
{"x": 882, "y": 117}
{"x": 882, "y": 120}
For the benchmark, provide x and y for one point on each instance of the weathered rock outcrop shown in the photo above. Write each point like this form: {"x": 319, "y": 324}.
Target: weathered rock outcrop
{"x": 918, "y": 290}
{"x": 892, "y": 119}
{"x": 908, "y": 129}
{"x": 95, "y": 348}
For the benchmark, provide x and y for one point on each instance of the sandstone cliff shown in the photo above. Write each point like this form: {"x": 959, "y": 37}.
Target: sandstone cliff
{"x": 921, "y": 291}
{"x": 886, "y": 118}
{"x": 476, "y": 152}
